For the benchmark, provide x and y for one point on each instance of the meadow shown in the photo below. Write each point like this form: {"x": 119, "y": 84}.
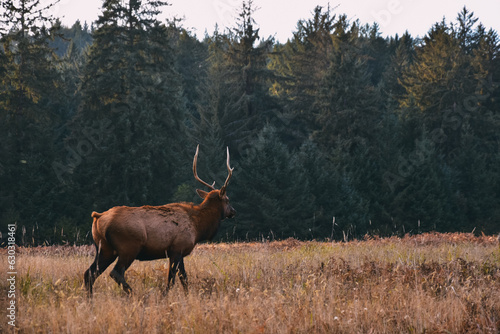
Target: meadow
{"x": 429, "y": 283}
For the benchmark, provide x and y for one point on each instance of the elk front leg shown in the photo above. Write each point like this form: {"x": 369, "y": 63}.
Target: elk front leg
{"x": 176, "y": 265}
{"x": 172, "y": 271}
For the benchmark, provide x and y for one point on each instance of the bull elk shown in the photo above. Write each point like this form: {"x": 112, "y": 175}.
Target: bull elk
{"x": 154, "y": 232}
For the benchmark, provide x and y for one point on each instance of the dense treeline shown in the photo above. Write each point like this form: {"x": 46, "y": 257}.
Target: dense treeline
{"x": 336, "y": 133}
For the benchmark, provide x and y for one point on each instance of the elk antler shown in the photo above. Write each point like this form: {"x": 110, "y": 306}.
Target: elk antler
{"x": 196, "y": 175}
{"x": 230, "y": 173}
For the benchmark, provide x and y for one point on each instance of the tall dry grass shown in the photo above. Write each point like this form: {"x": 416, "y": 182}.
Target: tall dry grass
{"x": 430, "y": 283}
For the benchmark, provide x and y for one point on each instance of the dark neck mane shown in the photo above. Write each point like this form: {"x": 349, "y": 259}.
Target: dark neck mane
{"x": 208, "y": 218}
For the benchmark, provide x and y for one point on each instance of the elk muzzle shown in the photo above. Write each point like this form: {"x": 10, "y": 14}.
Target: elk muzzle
{"x": 230, "y": 212}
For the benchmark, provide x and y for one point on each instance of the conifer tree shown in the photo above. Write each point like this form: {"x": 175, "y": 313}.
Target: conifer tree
{"x": 300, "y": 65}
{"x": 247, "y": 77}
{"x": 29, "y": 104}
{"x": 215, "y": 123}
{"x": 131, "y": 114}
{"x": 191, "y": 62}
{"x": 337, "y": 206}
{"x": 347, "y": 105}
{"x": 426, "y": 200}
{"x": 440, "y": 65}
{"x": 234, "y": 102}
{"x": 442, "y": 76}
{"x": 272, "y": 180}
{"x": 448, "y": 99}
{"x": 400, "y": 61}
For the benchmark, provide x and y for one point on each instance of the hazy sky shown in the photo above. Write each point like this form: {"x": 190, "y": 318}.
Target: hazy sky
{"x": 279, "y": 17}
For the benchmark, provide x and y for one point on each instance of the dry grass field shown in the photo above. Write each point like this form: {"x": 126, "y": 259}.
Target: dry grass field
{"x": 432, "y": 283}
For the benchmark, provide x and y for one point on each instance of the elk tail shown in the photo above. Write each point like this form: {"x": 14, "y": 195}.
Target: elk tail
{"x": 96, "y": 215}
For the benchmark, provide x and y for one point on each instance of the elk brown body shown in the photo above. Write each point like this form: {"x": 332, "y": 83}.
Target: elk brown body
{"x": 154, "y": 232}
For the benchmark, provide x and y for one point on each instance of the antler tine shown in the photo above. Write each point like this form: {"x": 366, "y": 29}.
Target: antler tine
{"x": 195, "y": 160}
{"x": 230, "y": 173}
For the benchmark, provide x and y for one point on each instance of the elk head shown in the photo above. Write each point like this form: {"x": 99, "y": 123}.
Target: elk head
{"x": 227, "y": 211}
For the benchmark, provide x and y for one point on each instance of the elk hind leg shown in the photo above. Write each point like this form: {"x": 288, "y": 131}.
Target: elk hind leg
{"x": 103, "y": 258}
{"x": 118, "y": 272}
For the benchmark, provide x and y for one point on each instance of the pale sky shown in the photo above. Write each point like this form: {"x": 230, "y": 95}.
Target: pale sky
{"x": 279, "y": 18}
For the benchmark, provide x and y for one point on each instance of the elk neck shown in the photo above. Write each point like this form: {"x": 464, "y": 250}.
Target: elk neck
{"x": 209, "y": 217}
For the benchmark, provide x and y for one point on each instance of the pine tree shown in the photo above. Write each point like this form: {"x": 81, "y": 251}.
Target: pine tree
{"x": 336, "y": 204}
{"x": 214, "y": 124}
{"x": 347, "y": 105}
{"x": 128, "y": 136}
{"x": 29, "y": 103}
{"x": 401, "y": 59}
{"x": 77, "y": 35}
{"x": 376, "y": 50}
{"x": 450, "y": 91}
{"x": 476, "y": 123}
{"x": 300, "y": 65}
{"x": 191, "y": 62}
{"x": 233, "y": 100}
{"x": 477, "y": 182}
{"x": 247, "y": 76}
{"x": 464, "y": 33}
{"x": 272, "y": 192}
{"x": 440, "y": 78}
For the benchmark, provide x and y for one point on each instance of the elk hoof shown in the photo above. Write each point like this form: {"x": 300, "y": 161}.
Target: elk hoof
{"x": 127, "y": 288}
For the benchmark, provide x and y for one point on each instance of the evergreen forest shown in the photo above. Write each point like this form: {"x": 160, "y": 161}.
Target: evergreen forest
{"x": 335, "y": 134}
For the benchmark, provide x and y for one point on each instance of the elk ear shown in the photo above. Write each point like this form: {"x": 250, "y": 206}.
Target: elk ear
{"x": 201, "y": 193}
